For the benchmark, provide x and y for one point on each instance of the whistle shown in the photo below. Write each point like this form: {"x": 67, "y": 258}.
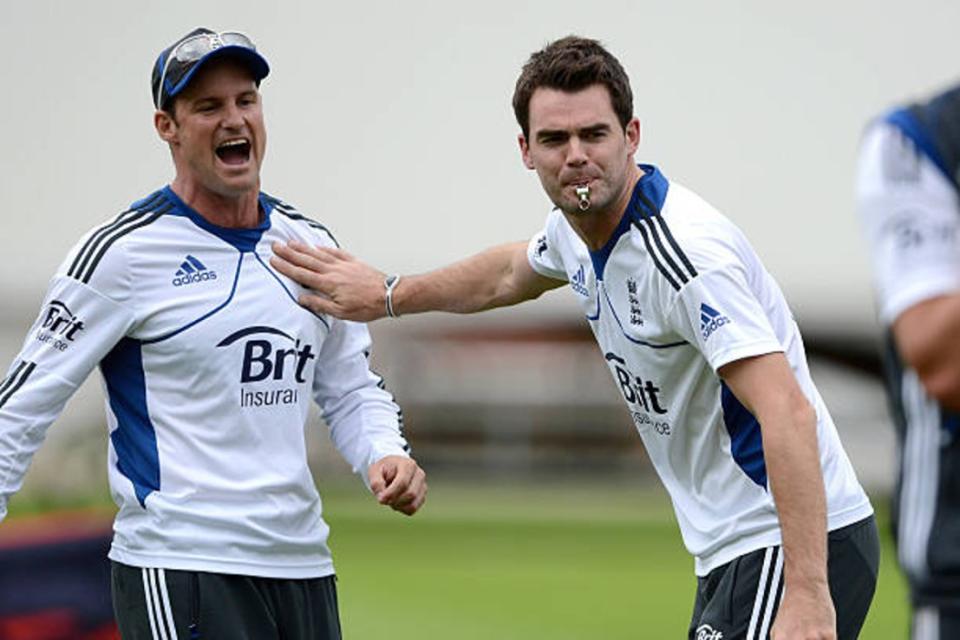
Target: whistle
{"x": 583, "y": 193}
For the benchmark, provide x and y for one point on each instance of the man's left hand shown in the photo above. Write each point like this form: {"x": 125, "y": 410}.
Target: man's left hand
{"x": 398, "y": 482}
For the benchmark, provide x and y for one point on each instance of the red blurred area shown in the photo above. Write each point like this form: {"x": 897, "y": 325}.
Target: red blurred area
{"x": 55, "y": 624}
{"x": 55, "y": 578}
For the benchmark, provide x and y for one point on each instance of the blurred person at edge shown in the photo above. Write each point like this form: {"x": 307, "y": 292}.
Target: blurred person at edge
{"x": 699, "y": 340}
{"x": 209, "y": 366}
{"x": 909, "y": 200}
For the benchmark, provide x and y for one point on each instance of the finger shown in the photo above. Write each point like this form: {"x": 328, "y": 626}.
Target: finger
{"x": 416, "y": 505}
{"x": 397, "y": 485}
{"x": 320, "y": 252}
{"x": 418, "y": 491}
{"x": 418, "y": 501}
{"x": 305, "y": 273}
{"x": 301, "y": 254}
{"x": 331, "y": 253}
{"x": 381, "y": 474}
{"x": 413, "y": 498}
{"x": 319, "y": 304}
{"x": 418, "y": 484}
{"x": 377, "y": 481}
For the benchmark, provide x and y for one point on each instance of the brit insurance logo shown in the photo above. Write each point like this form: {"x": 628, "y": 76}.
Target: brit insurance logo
{"x": 711, "y": 320}
{"x": 579, "y": 282}
{"x": 706, "y": 632}
{"x": 274, "y": 365}
{"x": 192, "y": 271}
{"x": 643, "y": 397}
{"x": 59, "y": 327}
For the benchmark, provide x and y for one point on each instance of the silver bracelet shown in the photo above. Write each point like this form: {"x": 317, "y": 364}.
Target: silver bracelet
{"x": 390, "y": 283}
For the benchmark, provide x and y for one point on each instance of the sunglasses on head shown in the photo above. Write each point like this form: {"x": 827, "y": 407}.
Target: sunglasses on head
{"x": 195, "y": 47}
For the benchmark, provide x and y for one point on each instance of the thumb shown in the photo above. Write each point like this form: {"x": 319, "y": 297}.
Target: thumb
{"x": 379, "y": 476}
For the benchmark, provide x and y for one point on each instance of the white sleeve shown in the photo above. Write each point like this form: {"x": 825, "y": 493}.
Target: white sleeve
{"x": 911, "y": 215}
{"x": 363, "y": 418}
{"x": 719, "y": 313}
{"x": 543, "y": 255}
{"x": 76, "y": 328}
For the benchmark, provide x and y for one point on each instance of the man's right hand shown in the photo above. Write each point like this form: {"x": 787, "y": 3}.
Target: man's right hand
{"x": 343, "y": 286}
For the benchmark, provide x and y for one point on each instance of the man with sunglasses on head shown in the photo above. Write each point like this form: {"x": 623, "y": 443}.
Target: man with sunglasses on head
{"x": 209, "y": 366}
{"x": 700, "y": 343}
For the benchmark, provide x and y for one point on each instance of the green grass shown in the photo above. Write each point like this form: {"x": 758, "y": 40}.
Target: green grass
{"x": 521, "y": 561}
{"x": 596, "y": 562}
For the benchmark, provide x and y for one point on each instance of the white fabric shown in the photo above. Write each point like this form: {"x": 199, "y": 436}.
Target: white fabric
{"x": 664, "y": 344}
{"x": 911, "y": 215}
{"x": 227, "y": 456}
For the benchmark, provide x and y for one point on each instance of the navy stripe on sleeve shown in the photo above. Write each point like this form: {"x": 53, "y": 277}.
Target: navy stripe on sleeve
{"x": 16, "y": 380}
{"x": 136, "y": 211}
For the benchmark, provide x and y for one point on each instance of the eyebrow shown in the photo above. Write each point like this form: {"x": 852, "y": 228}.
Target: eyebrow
{"x": 600, "y": 127}
{"x": 595, "y": 128}
{"x": 217, "y": 99}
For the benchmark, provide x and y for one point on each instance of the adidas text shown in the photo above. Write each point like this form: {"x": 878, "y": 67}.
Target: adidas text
{"x": 193, "y": 278}
{"x": 713, "y": 325}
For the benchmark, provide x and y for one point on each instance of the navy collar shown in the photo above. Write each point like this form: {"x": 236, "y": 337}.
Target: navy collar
{"x": 245, "y": 240}
{"x": 648, "y": 196}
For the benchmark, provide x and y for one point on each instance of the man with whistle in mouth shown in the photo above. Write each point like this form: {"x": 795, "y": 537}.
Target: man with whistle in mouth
{"x": 699, "y": 340}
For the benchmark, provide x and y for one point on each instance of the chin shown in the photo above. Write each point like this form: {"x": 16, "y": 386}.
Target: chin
{"x": 240, "y": 185}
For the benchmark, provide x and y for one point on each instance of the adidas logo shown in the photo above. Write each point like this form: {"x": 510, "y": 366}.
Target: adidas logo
{"x": 579, "y": 281}
{"x": 192, "y": 271}
{"x": 711, "y": 320}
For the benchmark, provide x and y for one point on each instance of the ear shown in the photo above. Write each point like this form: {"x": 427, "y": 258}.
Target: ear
{"x": 166, "y": 126}
{"x": 633, "y": 135}
{"x": 525, "y": 151}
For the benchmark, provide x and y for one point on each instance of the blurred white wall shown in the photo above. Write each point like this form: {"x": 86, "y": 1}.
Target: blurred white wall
{"x": 391, "y": 121}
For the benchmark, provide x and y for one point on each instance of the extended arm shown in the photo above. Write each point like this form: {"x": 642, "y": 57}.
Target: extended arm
{"x": 767, "y": 387}
{"x": 498, "y": 277}
{"x": 928, "y": 337}
{"x": 76, "y": 328}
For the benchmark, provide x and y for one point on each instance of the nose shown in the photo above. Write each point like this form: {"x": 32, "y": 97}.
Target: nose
{"x": 576, "y": 154}
{"x": 232, "y": 117}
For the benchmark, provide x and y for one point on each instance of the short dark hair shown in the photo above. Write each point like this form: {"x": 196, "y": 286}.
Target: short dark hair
{"x": 571, "y": 64}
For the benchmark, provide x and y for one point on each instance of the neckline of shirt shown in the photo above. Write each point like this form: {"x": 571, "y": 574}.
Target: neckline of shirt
{"x": 244, "y": 240}
{"x": 652, "y": 187}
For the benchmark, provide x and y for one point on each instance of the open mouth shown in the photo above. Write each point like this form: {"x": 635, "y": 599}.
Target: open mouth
{"x": 234, "y": 152}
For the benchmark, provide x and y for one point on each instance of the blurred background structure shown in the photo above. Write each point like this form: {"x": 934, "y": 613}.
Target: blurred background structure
{"x": 391, "y": 123}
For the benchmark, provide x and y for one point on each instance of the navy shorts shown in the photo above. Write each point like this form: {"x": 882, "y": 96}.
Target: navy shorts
{"x": 739, "y": 600}
{"x": 163, "y": 604}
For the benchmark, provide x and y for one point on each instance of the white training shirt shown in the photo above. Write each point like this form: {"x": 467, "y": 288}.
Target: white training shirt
{"x": 209, "y": 366}
{"x": 911, "y": 213}
{"x": 677, "y": 293}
